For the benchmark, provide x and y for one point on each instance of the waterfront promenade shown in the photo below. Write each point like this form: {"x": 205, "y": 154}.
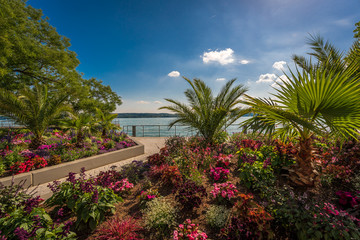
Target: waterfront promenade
{"x": 151, "y": 144}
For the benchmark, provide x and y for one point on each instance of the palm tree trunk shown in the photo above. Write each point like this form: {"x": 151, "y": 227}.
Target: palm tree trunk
{"x": 36, "y": 142}
{"x": 103, "y": 135}
{"x": 79, "y": 138}
{"x": 303, "y": 174}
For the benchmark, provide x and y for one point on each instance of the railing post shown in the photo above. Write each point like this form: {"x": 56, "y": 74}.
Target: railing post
{"x": 175, "y": 130}
{"x": 134, "y": 131}
{"x": 159, "y": 130}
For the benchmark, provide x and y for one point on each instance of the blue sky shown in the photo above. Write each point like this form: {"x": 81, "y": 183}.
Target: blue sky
{"x": 142, "y": 48}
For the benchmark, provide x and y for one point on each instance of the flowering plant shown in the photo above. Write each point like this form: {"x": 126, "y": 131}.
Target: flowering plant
{"x": 190, "y": 231}
{"x": 224, "y": 193}
{"x": 222, "y": 160}
{"x": 121, "y": 187}
{"x": 219, "y": 174}
{"x": 21, "y": 167}
{"x": 88, "y": 201}
{"x": 146, "y": 196}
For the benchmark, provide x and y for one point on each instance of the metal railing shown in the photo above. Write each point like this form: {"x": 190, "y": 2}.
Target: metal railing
{"x": 157, "y": 130}
{"x": 164, "y": 131}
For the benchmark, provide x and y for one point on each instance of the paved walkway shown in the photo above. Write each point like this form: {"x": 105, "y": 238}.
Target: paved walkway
{"x": 151, "y": 144}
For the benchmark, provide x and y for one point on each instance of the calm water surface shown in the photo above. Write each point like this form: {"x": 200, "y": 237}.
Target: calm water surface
{"x": 156, "y": 127}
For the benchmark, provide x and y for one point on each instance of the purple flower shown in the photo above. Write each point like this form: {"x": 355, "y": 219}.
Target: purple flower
{"x": 71, "y": 178}
{"x": 95, "y": 196}
{"x": 21, "y": 233}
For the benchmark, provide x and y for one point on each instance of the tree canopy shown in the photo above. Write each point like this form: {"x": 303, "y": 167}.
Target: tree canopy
{"x": 31, "y": 50}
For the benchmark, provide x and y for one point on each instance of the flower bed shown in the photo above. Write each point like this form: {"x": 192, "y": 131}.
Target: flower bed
{"x": 161, "y": 199}
{"x": 16, "y": 157}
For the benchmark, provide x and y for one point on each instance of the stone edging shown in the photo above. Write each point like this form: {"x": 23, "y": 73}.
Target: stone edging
{"x": 49, "y": 174}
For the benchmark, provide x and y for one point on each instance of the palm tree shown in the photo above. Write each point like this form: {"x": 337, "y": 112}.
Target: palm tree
{"x": 34, "y": 108}
{"x": 104, "y": 121}
{"x": 327, "y": 56}
{"x": 206, "y": 113}
{"x": 82, "y": 123}
{"x": 322, "y": 101}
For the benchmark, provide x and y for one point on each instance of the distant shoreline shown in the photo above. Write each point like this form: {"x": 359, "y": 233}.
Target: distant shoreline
{"x": 152, "y": 115}
{"x": 146, "y": 115}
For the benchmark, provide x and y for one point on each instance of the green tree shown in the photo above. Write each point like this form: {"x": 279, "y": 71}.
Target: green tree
{"x": 104, "y": 121}
{"x": 35, "y": 108}
{"x": 32, "y": 51}
{"x": 206, "y": 113}
{"x": 320, "y": 101}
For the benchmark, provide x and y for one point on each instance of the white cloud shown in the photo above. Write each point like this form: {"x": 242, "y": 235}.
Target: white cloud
{"x": 174, "y": 74}
{"x": 244, "y": 61}
{"x": 220, "y": 79}
{"x": 268, "y": 77}
{"x": 279, "y": 65}
{"x": 223, "y": 57}
{"x": 157, "y": 102}
{"x": 143, "y": 102}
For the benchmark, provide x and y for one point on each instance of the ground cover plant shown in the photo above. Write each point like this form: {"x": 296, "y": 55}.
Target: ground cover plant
{"x": 59, "y": 146}
{"x": 157, "y": 199}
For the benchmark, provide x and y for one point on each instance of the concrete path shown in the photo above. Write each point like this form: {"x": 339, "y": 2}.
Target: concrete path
{"x": 152, "y": 145}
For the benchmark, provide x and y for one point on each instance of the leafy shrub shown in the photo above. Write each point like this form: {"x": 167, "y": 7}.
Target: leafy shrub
{"x": 2, "y": 168}
{"x": 175, "y": 144}
{"x": 256, "y": 176}
{"x": 189, "y": 194}
{"x": 10, "y": 158}
{"x": 159, "y": 216}
{"x": 158, "y": 158}
{"x": 248, "y": 221}
{"x": 37, "y": 224}
{"x": 89, "y": 202}
{"x": 188, "y": 230}
{"x": 116, "y": 228}
{"x": 306, "y": 219}
{"x": 105, "y": 179}
{"x": 216, "y": 216}
{"x": 13, "y": 197}
{"x": 54, "y": 160}
{"x": 224, "y": 193}
{"x": 22, "y": 218}
{"x": 168, "y": 175}
{"x": 39, "y": 162}
{"x": 219, "y": 174}
{"x": 134, "y": 171}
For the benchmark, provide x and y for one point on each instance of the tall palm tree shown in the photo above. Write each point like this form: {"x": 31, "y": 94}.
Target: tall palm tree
{"x": 104, "y": 121}
{"x": 322, "y": 101}
{"x": 34, "y": 108}
{"x": 206, "y": 113}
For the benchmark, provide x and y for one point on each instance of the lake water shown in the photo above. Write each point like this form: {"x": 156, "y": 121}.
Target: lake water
{"x": 158, "y": 127}
{"x": 150, "y": 127}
